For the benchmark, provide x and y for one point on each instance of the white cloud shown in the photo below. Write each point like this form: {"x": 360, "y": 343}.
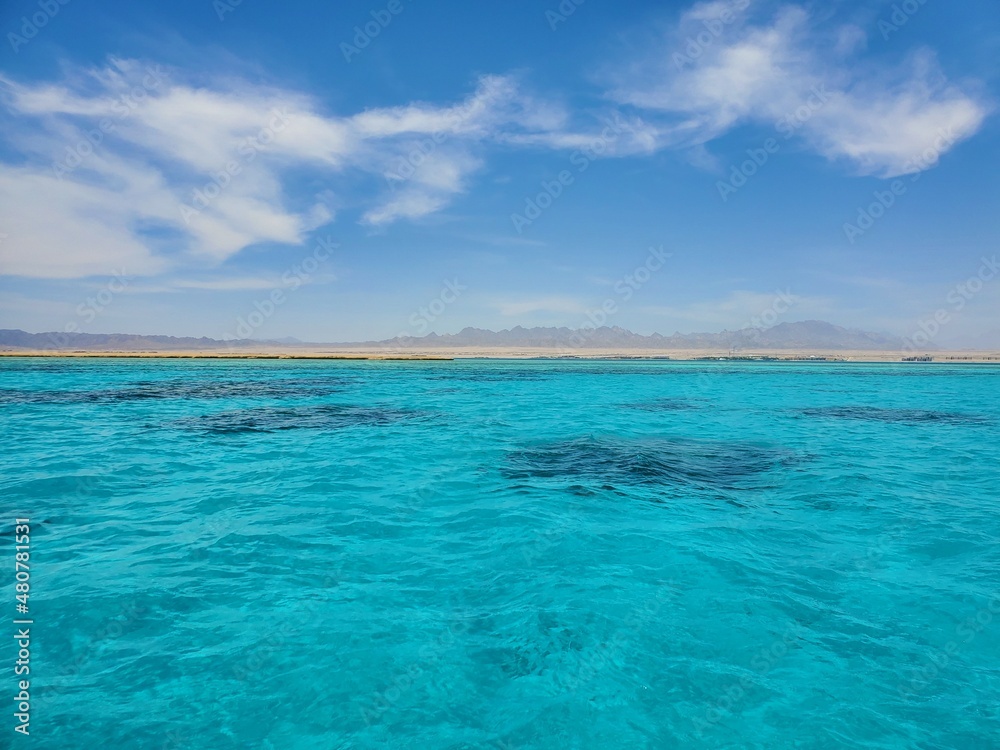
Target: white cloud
{"x": 130, "y": 165}
{"x": 410, "y": 204}
{"x": 63, "y": 229}
{"x": 711, "y": 76}
{"x": 231, "y": 284}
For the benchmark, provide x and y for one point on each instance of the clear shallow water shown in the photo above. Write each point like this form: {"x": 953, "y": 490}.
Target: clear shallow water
{"x": 294, "y": 554}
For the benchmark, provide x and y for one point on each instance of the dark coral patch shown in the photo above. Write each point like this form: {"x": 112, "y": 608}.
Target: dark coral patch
{"x": 649, "y": 462}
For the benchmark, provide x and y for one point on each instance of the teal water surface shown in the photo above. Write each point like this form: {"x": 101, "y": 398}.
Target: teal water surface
{"x": 505, "y": 554}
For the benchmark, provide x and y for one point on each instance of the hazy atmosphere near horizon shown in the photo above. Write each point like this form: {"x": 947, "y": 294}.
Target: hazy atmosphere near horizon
{"x": 527, "y": 375}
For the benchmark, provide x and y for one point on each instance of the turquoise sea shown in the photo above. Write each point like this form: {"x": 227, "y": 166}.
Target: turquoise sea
{"x": 505, "y": 554}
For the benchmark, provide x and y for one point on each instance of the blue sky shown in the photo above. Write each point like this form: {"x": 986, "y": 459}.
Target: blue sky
{"x": 359, "y": 170}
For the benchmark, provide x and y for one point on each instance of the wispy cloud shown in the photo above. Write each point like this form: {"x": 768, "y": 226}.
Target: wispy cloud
{"x": 157, "y": 171}
{"x": 880, "y": 120}
{"x": 191, "y": 175}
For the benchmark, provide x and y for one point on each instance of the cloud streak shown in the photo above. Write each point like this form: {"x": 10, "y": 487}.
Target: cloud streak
{"x": 194, "y": 175}
{"x": 717, "y": 70}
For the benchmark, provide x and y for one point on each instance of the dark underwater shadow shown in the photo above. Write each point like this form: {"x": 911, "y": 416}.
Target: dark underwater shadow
{"x": 317, "y": 417}
{"x": 892, "y": 416}
{"x": 661, "y": 462}
{"x": 179, "y": 389}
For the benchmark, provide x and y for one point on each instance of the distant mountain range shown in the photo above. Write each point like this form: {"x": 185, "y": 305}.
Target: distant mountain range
{"x": 14, "y": 338}
{"x": 809, "y": 334}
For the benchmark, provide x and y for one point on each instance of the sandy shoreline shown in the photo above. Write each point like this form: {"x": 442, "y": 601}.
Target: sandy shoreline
{"x": 453, "y": 353}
